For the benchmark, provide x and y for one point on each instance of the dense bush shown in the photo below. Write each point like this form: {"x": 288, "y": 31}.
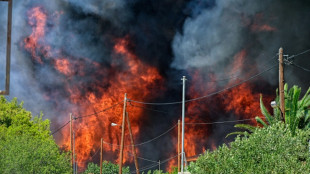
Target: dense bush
{"x": 107, "y": 168}
{"x": 26, "y": 145}
{"x": 268, "y": 150}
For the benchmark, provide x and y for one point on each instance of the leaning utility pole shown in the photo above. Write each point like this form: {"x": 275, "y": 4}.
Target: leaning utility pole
{"x": 122, "y": 138}
{"x": 281, "y": 84}
{"x": 179, "y": 138}
{"x": 71, "y": 142}
{"x": 132, "y": 144}
{"x": 101, "y": 152}
{"x": 183, "y": 123}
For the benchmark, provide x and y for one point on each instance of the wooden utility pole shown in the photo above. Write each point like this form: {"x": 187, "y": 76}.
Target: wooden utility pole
{"x": 71, "y": 142}
{"x": 101, "y": 152}
{"x": 132, "y": 144}
{"x": 179, "y": 138}
{"x": 8, "y": 49}
{"x": 281, "y": 84}
{"x": 122, "y": 138}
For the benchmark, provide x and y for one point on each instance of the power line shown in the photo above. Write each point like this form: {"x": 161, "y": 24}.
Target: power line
{"x": 142, "y": 158}
{"x": 74, "y": 118}
{"x": 60, "y": 127}
{"x": 298, "y": 66}
{"x": 209, "y": 95}
{"x": 145, "y": 141}
{"x": 106, "y": 109}
{"x": 98, "y": 149}
{"x": 219, "y": 122}
{"x": 139, "y": 157}
{"x": 156, "y": 137}
{"x": 304, "y": 52}
{"x": 237, "y": 76}
{"x": 155, "y": 110}
{"x": 223, "y": 122}
{"x": 157, "y": 163}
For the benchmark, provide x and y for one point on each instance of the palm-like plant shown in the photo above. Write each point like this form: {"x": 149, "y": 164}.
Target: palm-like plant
{"x": 297, "y": 113}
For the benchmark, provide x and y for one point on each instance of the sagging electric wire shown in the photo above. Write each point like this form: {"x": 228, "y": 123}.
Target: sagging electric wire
{"x": 145, "y": 142}
{"x": 157, "y": 163}
{"x": 223, "y": 122}
{"x": 199, "y": 98}
{"x": 237, "y": 76}
{"x": 303, "y": 68}
{"x": 106, "y": 109}
{"x": 60, "y": 127}
{"x": 206, "y": 96}
{"x": 293, "y": 56}
{"x": 146, "y": 108}
{"x": 98, "y": 149}
{"x": 75, "y": 118}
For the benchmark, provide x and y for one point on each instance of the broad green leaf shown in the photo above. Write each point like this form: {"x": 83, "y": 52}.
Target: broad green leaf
{"x": 246, "y": 126}
{"x": 259, "y": 120}
{"x": 265, "y": 112}
{"x": 245, "y": 133}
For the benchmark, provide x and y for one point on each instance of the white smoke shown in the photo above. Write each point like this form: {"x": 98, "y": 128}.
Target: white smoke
{"x": 216, "y": 34}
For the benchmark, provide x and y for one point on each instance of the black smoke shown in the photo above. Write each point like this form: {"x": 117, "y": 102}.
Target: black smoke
{"x": 175, "y": 36}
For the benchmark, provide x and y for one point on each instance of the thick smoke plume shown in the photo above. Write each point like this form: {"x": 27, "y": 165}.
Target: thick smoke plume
{"x": 216, "y": 43}
{"x": 212, "y": 35}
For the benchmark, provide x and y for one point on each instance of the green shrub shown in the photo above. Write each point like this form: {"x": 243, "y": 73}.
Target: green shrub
{"x": 26, "y": 145}
{"x": 268, "y": 150}
{"x": 107, "y": 168}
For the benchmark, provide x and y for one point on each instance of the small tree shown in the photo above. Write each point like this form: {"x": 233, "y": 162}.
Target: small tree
{"x": 107, "y": 168}
{"x": 26, "y": 145}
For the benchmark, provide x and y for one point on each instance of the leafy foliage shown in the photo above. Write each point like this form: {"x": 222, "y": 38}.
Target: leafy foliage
{"x": 270, "y": 149}
{"x": 174, "y": 170}
{"x": 155, "y": 172}
{"x": 107, "y": 168}
{"x": 26, "y": 144}
{"x": 297, "y": 113}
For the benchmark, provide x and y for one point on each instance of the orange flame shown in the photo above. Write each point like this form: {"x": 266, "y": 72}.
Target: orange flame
{"x": 37, "y": 20}
{"x": 134, "y": 80}
{"x": 126, "y": 74}
{"x": 63, "y": 66}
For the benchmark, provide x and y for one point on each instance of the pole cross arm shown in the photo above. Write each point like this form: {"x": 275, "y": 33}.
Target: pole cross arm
{"x": 8, "y": 50}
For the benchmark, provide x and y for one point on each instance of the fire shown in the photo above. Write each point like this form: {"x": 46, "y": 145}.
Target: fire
{"x": 37, "y": 20}
{"x": 63, "y": 66}
{"x": 259, "y": 24}
{"x": 126, "y": 74}
{"x": 128, "y": 81}
{"x": 105, "y": 87}
{"x": 242, "y": 101}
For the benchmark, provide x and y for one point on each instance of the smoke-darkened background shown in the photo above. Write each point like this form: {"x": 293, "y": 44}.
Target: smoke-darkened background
{"x": 74, "y": 56}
